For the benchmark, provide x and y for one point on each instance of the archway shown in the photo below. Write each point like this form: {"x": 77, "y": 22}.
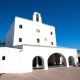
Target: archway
{"x": 71, "y": 61}
{"x": 38, "y": 62}
{"x": 56, "y": 60}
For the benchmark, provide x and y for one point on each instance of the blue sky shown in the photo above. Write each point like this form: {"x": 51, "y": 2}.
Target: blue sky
{"x": 63, "y": 14}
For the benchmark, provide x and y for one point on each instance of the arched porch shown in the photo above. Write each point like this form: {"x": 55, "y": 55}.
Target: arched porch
{"x": 56, "y": 60}
{"x": 38, "y": 62}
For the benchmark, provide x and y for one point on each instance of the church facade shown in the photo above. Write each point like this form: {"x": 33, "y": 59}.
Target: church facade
{"x": 30, "y": 45}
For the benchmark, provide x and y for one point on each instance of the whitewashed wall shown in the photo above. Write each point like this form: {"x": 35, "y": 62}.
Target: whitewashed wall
{"x": 10, "y": 36}
{"x": 20, "y": 60}
{"x": 29, "y": 33}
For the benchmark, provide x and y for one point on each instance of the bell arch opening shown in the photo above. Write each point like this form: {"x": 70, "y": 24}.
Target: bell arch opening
{"x": 56, "y": 60}
{"x": 71, "y": 61}
{"x": 38, "y": 62}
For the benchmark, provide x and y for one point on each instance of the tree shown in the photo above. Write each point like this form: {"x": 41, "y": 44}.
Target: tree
{"x": 2, "y": 44}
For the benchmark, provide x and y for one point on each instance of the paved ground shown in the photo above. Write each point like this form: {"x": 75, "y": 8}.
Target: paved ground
{"x": 72, "y": 73}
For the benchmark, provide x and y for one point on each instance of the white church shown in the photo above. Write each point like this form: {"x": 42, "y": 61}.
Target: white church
{"x": 31, "y": 45}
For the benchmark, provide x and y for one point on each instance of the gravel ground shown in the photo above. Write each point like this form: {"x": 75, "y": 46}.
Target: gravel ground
{"x": 71, "y": 73}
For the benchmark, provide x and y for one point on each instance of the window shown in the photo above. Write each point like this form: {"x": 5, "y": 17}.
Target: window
{"x": 20, "y": 26}
{"x": 51, "y": 33}
{"x": 3, "y": 57}
{"x": 38, "y": 40}
{"x": 51, "y": 43}
{"x": 20, "y": 39}
{"x": 37, "y": 17}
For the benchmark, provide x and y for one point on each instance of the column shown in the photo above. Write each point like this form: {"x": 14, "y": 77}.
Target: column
{"x": 45, "y": 64}
{"x": 67, "y": 62}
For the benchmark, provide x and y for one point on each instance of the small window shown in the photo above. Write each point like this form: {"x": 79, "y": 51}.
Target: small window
{"x": 51, "y": 33}
{"x": 38, "y": 40}
{"x": 51, "y": 43}
{"x": 20, "y": 26}
{"x": 3, "y": 57}
{"x": 20, "y": 39}
{"x": 37, "y": 17}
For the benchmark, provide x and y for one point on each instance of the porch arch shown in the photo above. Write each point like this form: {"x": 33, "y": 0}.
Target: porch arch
{"x": 38, "y": 62}
{"x": 56, "y": 60}
{"x": 71, "y": 61}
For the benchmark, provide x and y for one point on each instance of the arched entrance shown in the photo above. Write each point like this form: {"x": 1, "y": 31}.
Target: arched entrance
{"x": 38, "y": 62}
{"x": 56, "y": 60}
{"x": 71, "y": 61}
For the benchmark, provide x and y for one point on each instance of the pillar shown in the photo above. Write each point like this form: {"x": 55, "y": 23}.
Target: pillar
{"x": 67, "y": 62}
{"x": 45, "y": 64}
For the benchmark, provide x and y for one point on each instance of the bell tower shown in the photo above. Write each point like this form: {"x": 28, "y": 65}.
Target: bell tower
{"x": 37, "y": 17}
